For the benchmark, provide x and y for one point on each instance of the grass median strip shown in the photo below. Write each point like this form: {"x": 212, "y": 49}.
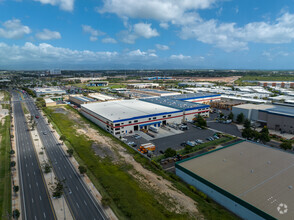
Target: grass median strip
{"x": 5, "y": 177}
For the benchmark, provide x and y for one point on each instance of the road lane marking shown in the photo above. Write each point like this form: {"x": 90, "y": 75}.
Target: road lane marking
{"x": 77, "y": 205}
{"x": 85, "y": 203}
{"x": 40, "y": 197}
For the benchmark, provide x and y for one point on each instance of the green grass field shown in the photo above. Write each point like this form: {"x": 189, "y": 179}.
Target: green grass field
{"x": 128, "y": 200}
{"x": 98, "y": 88}
{"x": 5, "y": 177}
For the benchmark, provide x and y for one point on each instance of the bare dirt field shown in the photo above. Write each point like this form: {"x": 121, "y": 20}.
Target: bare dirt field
{"x": 174, "y": 200}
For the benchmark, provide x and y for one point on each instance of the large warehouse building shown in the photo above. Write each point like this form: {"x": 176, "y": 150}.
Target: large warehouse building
{"x": 275, "y": 117}
{"x": 127, "y": 116}
{"x": 251, "y": 180}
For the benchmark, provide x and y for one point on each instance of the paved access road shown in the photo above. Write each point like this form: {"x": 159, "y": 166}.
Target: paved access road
{"x": 80, "y": 200}
{"x": 34, "y": 195}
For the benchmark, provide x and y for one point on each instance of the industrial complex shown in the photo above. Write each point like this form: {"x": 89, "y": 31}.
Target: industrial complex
{"x": 275, "y": 117}
{"x": 251, "y": 180}
{"x": 49, "y": 91}
{"x": 127, "y": 116}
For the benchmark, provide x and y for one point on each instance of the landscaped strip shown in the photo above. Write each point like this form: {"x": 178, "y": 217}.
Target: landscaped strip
{"x": 5, "y": 176}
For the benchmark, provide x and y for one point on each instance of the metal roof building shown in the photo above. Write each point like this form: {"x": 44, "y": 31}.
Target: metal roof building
{"x": 49, "y": 90}
{"x": 251, "y": 180}
{"x": 127, "y": 116}
{"x": 79, "y": 100}
{"x": 196, "y": 97}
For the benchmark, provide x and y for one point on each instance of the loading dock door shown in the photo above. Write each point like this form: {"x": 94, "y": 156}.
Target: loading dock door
{"x": 164, "y": 122}
{"x": 136, "y": 128}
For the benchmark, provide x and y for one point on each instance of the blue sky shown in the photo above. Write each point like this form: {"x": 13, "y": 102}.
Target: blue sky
{"x": 146, "y": 34}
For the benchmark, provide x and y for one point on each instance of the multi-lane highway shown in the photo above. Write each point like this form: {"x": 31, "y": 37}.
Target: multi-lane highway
{"x": 80, "y": 200}
{"x": 35, "y": 202}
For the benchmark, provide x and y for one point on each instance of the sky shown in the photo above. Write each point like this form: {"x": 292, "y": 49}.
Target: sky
{"x": 146, "y": 34}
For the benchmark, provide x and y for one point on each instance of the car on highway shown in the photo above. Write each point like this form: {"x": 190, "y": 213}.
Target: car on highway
{"x": 44, "y": 133}
{"x": 37, "y": 116}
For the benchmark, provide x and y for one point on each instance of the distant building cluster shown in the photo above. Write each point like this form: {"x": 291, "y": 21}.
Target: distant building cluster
{"x": 282, "y": 84}
{"x": 98, "y": 83}
{"x": 142, "y": 85}
{"x": 48, "y": 91}
{"x": 55, "y": 72}
{"x": 196, "y": 84}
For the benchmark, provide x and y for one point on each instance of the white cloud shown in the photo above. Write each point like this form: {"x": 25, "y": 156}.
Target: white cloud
{"x": 162, "y": 47}
{"x": 145, "y": 30}
{"x": 174, "y": 11}
{"x": 14, "y": 29}
{"x": 164, "y": 25}
{"x": 136, "y": 31}
{"x": 127, "y": 37}
{"x": 210, "y": 32}
{"x": 229, "y": 37}
{"x": 184, "y": 14}
{"x": 109, "y": 40}
{"x": 93, "y": 33}
{"x": 49, "y": 54}
{"x": 139, "y": 53}
{"x": 274, "y": 53}
{"x": 48, "y": 35}
{"x": 180, "y": 57}
{"x": 66, "y": 5}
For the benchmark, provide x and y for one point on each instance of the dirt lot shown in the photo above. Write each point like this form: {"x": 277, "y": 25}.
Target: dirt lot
{"x": 105, "y": 146}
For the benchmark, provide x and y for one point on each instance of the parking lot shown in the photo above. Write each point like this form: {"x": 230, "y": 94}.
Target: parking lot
{"x": 173, "y": 141}
{"x": 225, "y": 128}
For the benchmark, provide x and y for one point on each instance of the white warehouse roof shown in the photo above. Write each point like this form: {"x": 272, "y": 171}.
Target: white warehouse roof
{"x": 127, "y": 109}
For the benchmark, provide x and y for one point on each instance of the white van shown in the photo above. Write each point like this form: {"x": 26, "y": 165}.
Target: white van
{"x": 154, "y": 129}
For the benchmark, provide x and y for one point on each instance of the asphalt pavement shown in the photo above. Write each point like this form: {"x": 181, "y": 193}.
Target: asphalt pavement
{"x": 35, "y": 202}
{"x": 79, "y": 198}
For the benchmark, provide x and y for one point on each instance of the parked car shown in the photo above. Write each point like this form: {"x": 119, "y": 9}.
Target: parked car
{"x": 199, "y": 141}
{"x": 136, "y": 136}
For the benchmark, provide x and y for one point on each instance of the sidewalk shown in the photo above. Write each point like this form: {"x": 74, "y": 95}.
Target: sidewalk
{"x": 16, "y": 197}
{"x": 109, "y": 213}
